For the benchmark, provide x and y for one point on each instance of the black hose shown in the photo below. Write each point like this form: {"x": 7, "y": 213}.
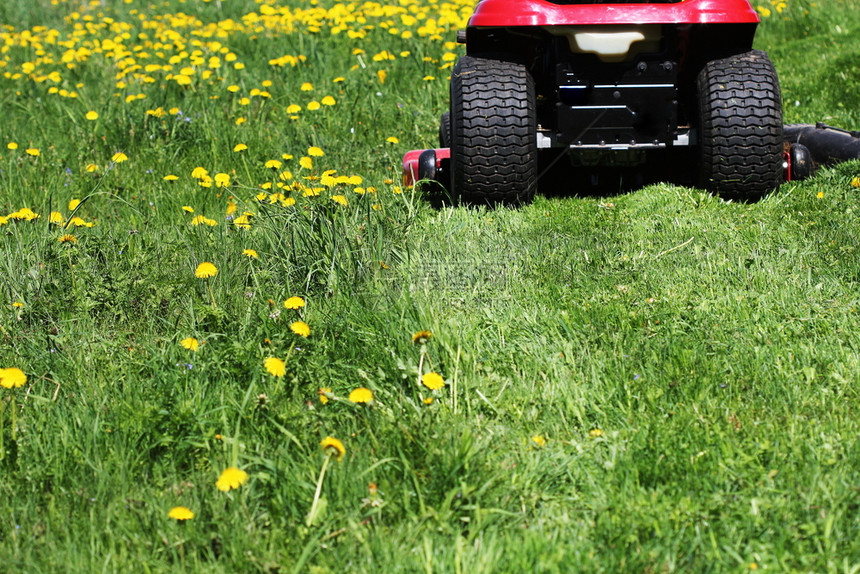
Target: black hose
{"x": 827, "y": 145}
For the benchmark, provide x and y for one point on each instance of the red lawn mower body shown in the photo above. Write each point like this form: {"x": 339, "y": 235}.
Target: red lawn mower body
{"x": 571, "y": 93}
{"x": 542, "y": 13}
{"x": 604, "y": 87}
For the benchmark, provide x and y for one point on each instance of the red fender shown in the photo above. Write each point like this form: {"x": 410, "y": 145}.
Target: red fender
{"x": 493, "y": 13}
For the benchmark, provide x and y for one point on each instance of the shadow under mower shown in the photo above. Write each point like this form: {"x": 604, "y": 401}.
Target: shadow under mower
{"x": 577, "y": 90}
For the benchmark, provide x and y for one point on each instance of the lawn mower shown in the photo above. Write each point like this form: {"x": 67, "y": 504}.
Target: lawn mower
{"x": 597, "y": 91}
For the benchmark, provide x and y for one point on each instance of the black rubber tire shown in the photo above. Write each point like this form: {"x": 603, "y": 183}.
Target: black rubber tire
{"x": 445, "y": 130}
{"x": 740, "y": 126}
{"x": 493, "y": 132}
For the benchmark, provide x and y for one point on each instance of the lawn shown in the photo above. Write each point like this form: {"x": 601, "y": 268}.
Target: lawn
{"x": 235, "y": 342}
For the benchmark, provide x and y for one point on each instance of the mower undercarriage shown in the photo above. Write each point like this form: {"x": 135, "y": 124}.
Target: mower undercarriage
{"x": 806, "y": 148}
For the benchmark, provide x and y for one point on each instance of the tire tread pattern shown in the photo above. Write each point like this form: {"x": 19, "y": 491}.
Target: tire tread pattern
{"x": 741, "y": 126}
{"x": 493, "y": 132}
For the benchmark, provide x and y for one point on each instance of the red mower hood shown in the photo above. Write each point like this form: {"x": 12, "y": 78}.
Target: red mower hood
{"x": 494, "y": 13}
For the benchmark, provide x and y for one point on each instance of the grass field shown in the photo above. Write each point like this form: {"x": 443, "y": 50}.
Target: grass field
{"x": 233, "y": 343}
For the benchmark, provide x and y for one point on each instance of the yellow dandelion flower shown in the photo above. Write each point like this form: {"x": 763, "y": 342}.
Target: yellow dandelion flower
{"x": 12, "y": 378}
{"x": 594, "y": 433}
{"x": 314, "y": 151}
{"x": 67, "y": 238}
{"x": 180, "y": 513}
{"x": 91, "y": 167}
{"x": 190, "y": 343}
{"x": 275, "y": 366}
{"x": 382, "y": 75}
{"x": 327, "y": 180}
{"x": 294, "y": 303}
{"x": 427, "y": 400}
{"x": 539, "y": 440}
{"x": 199, "y": 173}
{"x": 274, "y": 164}
{"x": 187, "y": 209}
{"x": 333, "y": 446}
{"x": 56, "y": 218}
{"x": 12, "y": 145}
{"x": 250, "y": 254}
{"x": 855, "y": 182}
{"x": 231, "y": 478}
{"x": 307, "y": 87}
{"x": 294, "y": 109}
{"x": 313, "y": 106}
{"x": 24, "y": 214}
{"x": 300, "y": 328}
{"x": 33, "y": 152}
{"x": 119, "y": 157}
{"x": 392, "y": 139}
{"x": 170, "y": 178}
{"x": 361, "y": 395}
{"x": 432, "y": 381}
{"x": 79, "y": 222}
{"x": 92, "y": 115}
{"x": 205, "y": 270}
{"x": 421, "y": 337}
{"x": 324, "y": 393}
{"x": 222, "y": 180}
{"x": 306, "y": 162}
{"x": 203, "y": 220}
{"x": 340, "y": 199}
{"x": 820, "y": 195}
{"x": 243, "y": 221}
{"x": 240, "y": 147}
{"x": 328, "y": 101}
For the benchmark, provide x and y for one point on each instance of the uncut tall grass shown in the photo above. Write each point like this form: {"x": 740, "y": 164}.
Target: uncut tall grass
{"x": 649, "y": 381}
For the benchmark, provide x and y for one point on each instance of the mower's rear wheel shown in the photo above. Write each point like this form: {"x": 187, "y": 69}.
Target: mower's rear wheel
{"x": 445, "y": 130}
{"x": 493, "y": 132}
{"x": 741, "y": 139}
